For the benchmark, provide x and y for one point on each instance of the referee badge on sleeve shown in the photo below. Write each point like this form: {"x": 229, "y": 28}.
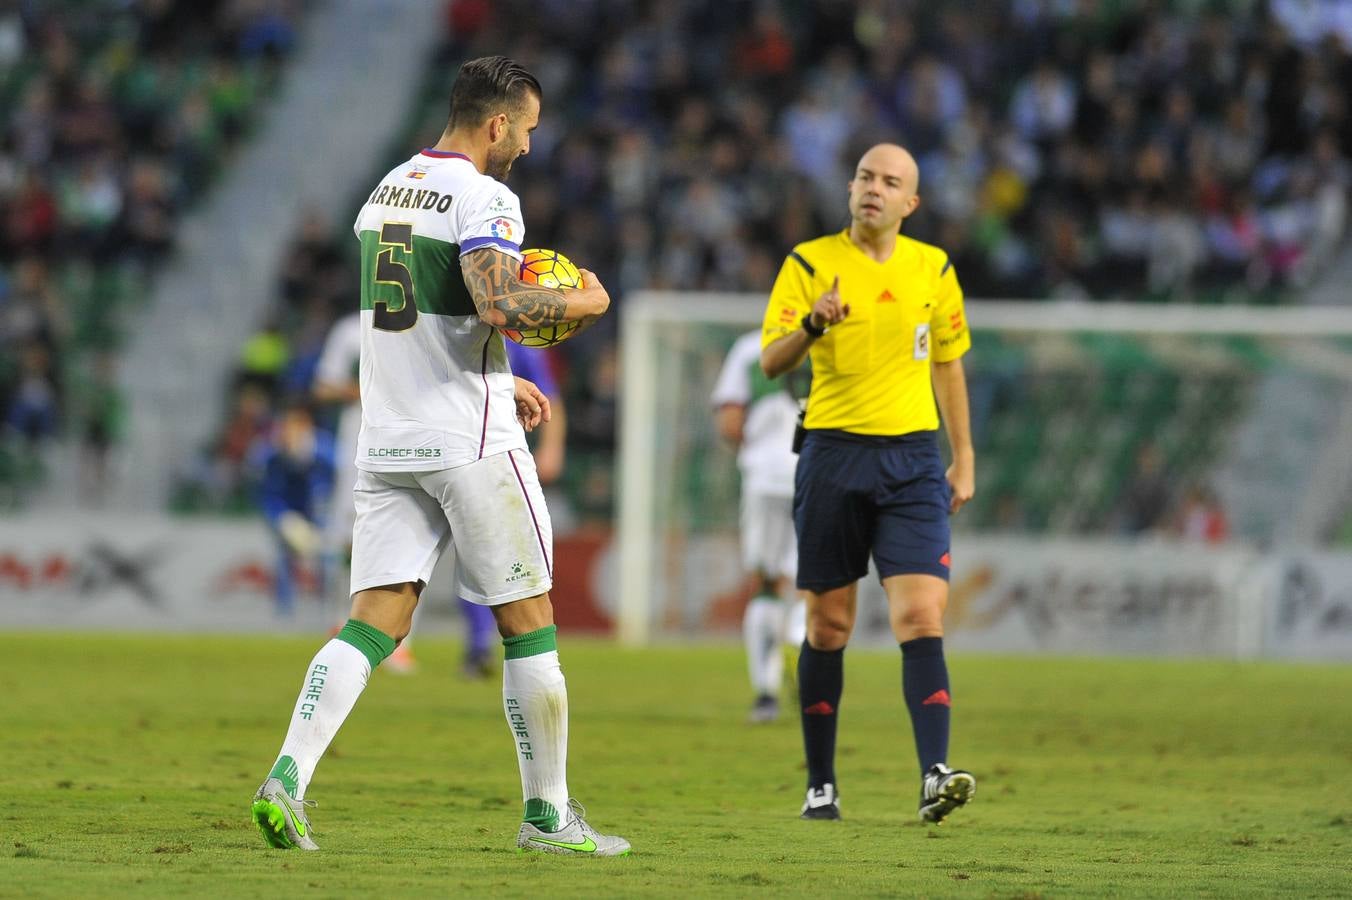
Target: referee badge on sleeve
{"x": 921, "y": 341}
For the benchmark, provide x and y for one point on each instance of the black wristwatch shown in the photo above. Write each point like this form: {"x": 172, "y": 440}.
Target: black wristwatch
{"x": 811, "y": 329}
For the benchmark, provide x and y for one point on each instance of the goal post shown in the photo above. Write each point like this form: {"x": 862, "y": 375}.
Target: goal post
{"x": 646, "y": 340}
{"x": 1065, "y": 395}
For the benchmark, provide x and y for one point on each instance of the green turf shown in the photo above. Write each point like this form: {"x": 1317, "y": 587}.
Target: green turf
{"x": 127, "y": 766}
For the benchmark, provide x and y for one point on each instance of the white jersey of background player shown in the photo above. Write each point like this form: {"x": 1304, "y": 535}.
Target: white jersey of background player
{"x": 442, "y": 455}
{"x": 336, "y": 382}
{"x": 759, "y": 417}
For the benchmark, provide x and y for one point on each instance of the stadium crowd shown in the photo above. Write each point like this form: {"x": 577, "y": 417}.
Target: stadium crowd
{"x": 1066, "y": 148}
{"x": 1170, "y": 149}
{"x": 115, "y": 117}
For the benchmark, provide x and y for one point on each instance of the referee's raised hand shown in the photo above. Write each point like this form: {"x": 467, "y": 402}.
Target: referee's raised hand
{"x": 829, "y": 309}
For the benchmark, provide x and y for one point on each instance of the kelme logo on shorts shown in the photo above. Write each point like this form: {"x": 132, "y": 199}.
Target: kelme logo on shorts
{"x": 519, "y": 571}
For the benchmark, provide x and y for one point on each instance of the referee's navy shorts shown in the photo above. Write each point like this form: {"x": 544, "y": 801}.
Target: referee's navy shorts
{"x": 855, "y": 494}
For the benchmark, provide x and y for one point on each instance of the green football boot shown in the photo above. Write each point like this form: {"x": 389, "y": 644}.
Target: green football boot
{"x": 282, "y": 818}
{"x": 576, "y": 837}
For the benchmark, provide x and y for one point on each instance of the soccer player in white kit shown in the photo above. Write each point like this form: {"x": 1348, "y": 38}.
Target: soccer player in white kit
{"x": 758, "y": 416}
{"x": 442, "y": 452}
{"x": 336, "y": 383}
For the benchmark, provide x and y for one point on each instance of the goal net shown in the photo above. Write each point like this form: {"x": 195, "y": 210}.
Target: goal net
{"x": 1146, "y": 436}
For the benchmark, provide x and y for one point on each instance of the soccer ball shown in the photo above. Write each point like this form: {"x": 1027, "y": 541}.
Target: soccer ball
{"x": 547, "y": 268}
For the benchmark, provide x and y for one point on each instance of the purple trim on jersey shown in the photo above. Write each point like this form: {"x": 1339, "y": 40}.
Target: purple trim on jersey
{"x": 549, "y": 569}
{"x": 476, "y": 242}
{"x": 532, "y": 365}
{"x": 444, "y": 154}
{"x": 483, "y": 371}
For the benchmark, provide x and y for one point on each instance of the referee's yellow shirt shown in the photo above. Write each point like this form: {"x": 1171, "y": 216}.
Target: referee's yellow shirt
{"x": 871, "y": 373}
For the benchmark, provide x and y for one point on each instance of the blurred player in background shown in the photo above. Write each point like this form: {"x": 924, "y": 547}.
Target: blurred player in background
{"x": 337, "y": 383}
{"x": 758, "y": 417}
{"x": 295, "y": 489}
{"x": 882, "y": 317}
{"x": 548, "y": 450}
{"x": 442, "y": 453}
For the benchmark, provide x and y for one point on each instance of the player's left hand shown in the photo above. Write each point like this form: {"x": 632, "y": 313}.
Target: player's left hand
{"x": 532, "y": 406}
{"x": 962, "y": 480}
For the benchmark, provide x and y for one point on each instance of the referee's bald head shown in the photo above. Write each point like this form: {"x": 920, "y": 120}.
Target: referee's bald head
{"x": 884, "y": 189}
{"x": 892, "y": 158}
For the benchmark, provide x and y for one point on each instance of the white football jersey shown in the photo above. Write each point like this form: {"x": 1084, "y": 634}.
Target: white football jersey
{"x": 340, "y": 365}
{"x": 766, "y": 458}
{"x": 436, "y": 388}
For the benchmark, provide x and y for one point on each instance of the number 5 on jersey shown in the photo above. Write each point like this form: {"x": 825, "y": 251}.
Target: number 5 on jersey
{"x": 391, "y": 313}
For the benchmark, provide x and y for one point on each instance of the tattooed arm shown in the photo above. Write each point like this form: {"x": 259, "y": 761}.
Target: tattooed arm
{"x": 505, "y": 301}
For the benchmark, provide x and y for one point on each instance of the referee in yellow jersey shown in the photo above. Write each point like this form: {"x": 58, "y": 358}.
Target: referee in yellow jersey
{"x": 881, "y": 316}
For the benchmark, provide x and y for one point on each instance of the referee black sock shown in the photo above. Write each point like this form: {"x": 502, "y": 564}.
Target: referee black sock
{"x": 821, "y": 675}
{"x": 924, "y": 684}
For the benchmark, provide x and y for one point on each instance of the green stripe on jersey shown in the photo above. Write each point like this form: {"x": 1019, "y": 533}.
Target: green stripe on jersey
{"x": 434, "y": 268}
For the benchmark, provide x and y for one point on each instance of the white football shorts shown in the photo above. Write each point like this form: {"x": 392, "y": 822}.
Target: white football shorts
{"x": 769, "y": 544}
{"x": 491, "y": 512}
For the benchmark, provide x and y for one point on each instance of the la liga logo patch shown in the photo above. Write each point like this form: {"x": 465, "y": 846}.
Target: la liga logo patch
{"x": 501, "y": 228}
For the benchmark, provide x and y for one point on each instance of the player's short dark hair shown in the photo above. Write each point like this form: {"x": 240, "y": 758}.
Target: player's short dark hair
{"x": 489, "y": 85}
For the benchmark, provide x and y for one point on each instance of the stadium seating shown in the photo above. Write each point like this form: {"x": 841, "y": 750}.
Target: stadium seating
{"x": 1066, "y": 151}
{"x": 116, "y": 116}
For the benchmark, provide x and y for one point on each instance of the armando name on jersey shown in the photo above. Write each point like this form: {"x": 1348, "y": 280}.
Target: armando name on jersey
{"x": 408, "y": 198}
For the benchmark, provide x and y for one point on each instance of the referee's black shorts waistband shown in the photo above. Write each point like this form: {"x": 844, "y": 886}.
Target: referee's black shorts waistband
{"x": 910, "y": 439}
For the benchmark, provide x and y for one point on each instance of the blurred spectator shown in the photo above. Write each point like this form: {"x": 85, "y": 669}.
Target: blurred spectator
{"x": 315, "y": 263}
{"x": 1201, "y": 518}
{"x": 249, "y": 422}
{"x": 102, "y": 417}
{"x": 264, "y": 357}
{"x": 32, "y": 412}
{"x": 296, "y": 485}
{"x": 817, "y": 133}
{"x": 1145, "y": 500}
{"x": 32, "y": 311}
{"x": 88, "y": 202}
{"x": 12, "y": 38}
{"x": 31, "y": 220}
{"x": 147, "y": 221}
{"x": 220, "y": 477}
{"x": 1043, "y": 105}
{"x": 259, "y": 27}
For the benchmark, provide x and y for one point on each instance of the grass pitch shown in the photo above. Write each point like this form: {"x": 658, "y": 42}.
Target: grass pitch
{"x": 127, "y": 766}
